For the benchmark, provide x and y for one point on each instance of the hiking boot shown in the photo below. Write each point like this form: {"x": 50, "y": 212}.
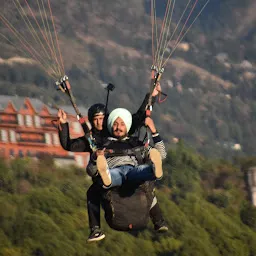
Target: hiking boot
{"x": 96, "y": 235}
{"x": 162, "y": 228}
{"x": 156, "y": 159}
{"x": 103, "y": 170}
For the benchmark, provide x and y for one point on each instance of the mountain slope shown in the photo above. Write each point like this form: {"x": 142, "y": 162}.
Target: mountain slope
{"x": 210, "y": 89}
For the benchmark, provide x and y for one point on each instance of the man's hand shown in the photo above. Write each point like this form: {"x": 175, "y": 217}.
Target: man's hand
{"x": 100, "y": 152}
{"x": 149, "y": 122}
{"x": 62, "y": 116}
{"x": 156, "y": 90}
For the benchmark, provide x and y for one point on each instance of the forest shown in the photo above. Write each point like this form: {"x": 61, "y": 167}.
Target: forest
{"x": 210, "y": 86}
{"x": 205, "y": 204}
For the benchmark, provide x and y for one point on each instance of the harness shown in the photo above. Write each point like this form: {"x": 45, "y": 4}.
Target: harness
{"x": 137, "y": 151}
{"x": 127, "y": 207}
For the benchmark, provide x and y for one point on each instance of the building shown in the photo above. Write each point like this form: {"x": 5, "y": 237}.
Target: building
{"x": 252, "y": 184}
{"x": 27, "y": 130}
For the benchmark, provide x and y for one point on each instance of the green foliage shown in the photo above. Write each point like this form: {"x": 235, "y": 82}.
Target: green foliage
{"x": 7, "y": 178}
{"x": 247, "y": 162}
{"x": 75, "y": 193}
{"x": 201, "y": 113}
{"x": 48, "y": 199}
{"x": 200, "y": 202}
{"x": 7, "y": 214}
{"x": 168, "y": 245}
{"x": 181, "y": 168}
{"x": 4, "y": 241}
{"x": 219, "y": 199}
{"x": 248, "y": 216}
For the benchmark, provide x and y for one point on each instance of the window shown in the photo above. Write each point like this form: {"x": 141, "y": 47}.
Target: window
{"x": 56, "y": 139}
{"x": 48, "y": 139}
{"x": 29, "y": 121}
{"x": 12, "y": 136}
{"x": 21, "y": 153}
{"x": 37, "y": 121}
{"x": 11, "y": 152}
{"x": 4, "y": 136}
{"x": 20, "y": 120}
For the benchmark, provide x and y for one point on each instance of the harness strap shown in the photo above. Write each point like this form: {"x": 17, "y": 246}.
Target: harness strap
{"x": 138, "y": 152}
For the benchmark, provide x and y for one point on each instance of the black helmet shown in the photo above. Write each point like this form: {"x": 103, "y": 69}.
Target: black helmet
{"x": 96, "y": 109}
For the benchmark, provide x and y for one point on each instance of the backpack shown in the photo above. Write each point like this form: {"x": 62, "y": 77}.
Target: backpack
{"x": 127, "y": 207}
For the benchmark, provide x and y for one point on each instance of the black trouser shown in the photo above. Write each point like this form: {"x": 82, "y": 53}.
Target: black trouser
{"x": 94, "y": 202}
{"x": 156, "y": 215}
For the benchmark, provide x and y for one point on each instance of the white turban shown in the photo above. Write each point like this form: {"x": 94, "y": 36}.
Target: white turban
{"x": 124, "y": 114}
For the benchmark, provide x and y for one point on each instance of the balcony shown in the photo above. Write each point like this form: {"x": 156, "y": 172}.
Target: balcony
{"x": 47, "y": 125}
{"x": 8, "y": 122}
{"x": 33, "y": 141}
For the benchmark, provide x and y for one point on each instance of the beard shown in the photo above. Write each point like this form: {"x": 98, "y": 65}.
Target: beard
{"x": 119, "y": 137}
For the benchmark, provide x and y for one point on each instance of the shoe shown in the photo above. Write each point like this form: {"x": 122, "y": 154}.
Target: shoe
{"x": 96, "y": 235}
{"x": 103, "y": 170}
{"x": 161, "y": 228}
{"x": 156, "y": 159}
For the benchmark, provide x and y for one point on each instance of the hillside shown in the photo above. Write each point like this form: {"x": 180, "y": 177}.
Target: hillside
{"x": 204, "y": 202}
{"x": 210, "y": 86}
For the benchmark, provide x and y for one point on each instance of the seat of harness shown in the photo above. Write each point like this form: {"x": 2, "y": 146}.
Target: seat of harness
{"x": 127, "y": 207}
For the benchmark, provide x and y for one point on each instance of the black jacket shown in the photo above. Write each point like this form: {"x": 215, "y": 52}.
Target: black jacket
{"x": 79, "y": 144}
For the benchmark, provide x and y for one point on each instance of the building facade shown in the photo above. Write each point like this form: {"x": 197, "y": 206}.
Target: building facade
{"x": 252, "y": 184}
{"x": 27, "y": 130}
